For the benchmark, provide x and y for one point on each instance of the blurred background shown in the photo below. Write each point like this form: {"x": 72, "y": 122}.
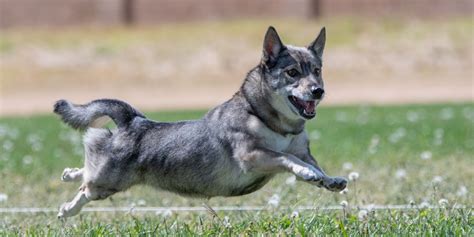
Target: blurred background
{"x": 165, "y": 54}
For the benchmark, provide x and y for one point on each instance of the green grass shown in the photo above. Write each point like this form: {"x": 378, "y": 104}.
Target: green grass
{"x": 379, "y": 141}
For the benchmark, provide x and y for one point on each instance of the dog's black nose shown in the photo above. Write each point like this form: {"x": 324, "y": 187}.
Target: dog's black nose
{"x": 317, "y": 92}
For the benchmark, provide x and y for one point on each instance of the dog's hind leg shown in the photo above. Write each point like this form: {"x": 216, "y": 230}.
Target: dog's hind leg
{"x": 72, "y": 175}
{"x": 86, "y": 194}
{"x": 73, "y": 207}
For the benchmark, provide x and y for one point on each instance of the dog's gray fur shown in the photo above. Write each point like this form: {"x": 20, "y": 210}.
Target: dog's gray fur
{"x": 235, "y": 149}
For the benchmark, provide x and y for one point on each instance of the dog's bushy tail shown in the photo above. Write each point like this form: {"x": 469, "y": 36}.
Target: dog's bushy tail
{"x": 91, "y": 114}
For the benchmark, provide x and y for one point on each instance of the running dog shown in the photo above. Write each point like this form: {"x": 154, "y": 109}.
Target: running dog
{"x": 235, "y": 149}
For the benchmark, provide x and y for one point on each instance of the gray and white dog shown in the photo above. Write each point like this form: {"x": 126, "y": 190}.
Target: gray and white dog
{"x": 235, "y": 149}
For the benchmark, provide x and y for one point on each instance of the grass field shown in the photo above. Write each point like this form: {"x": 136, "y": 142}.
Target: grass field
{"x": 418, "y": 154}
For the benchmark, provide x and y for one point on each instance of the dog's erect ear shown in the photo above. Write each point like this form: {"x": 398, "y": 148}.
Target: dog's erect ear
{"x": 272, "y": 46}
{"x": 318, "y": 44}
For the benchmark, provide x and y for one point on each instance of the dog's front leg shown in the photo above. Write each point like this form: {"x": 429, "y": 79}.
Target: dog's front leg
{"x": 268, "y": 161}
{"x": 335, "y": 184}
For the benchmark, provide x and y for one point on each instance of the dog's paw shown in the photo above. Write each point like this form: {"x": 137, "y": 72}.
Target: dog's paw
{"x": 335, "y": 184}
{"x": 62, "y": 212}
{"x": 66, "y": 175}
{"x": 308, "y": 175}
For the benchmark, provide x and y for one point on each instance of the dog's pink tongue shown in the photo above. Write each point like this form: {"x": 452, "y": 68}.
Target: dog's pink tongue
{"x": 307, "y": 105}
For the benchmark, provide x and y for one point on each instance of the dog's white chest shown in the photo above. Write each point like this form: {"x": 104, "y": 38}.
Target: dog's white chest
{"x": 269, "y": 138}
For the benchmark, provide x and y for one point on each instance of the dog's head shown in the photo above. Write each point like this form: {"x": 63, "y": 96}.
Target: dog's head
{"x": 294, "y": 75}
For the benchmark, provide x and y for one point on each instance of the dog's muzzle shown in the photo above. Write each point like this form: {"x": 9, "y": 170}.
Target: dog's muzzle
{"x": 306, "y": 108}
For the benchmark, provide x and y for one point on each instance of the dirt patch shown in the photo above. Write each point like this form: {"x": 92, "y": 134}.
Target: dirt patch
{"x": 413, "y": 63}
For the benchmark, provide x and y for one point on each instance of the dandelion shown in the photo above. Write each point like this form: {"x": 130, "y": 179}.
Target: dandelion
{"x": 426, "y": 155}
{"x": 347, "y": 166}
{"x": 3, "y": 197}
{"x": 35, "y": 142}
{"x": 424, "y": 204}
{"x": 397, "y": 135}
{"x": 295, "y": 214}
{"x": 3, "y": 131}
{"x": 438, "y": 136}
{"x": 226, "y": 222}
{"x": 468, "y": 113}
{"x": 344, "y": 204}
{"x": 437, "y": 180}
{"x": 363, "y": 117}
{"x": 443, "y": 202}
{"x": 412, "y": 116}
{"x": 27, "y": 160}
{"x": 274, "y": 201}
{"x": 344, "y": 191}
{"x": 291, "y": 180}
{"x": 446, "y": 114}
{"x": 141, "y": 203}
{"x": 462, "y": 191}
{"x": 400, "y": 174}
{"x": 341, "y": 117}
{"x": 8, "y": 145}
{"x": 353, "y": 176}
{"x": 363, "y": 214}
{"x": 166, "y": 213}
{"x": 374, "y": 142}
{"x": 315, "y": 135}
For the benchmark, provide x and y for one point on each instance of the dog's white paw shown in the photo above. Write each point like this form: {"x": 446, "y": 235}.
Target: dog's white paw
{"x": 67, "y": 210}
{"x": 62, "y": 210}
{"x": 310, "y": 175}
{"x": 66, "y": 175}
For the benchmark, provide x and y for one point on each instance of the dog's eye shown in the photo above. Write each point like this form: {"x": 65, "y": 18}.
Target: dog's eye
{"x": 317, "y": 72}
{"x": 292, "y": 72}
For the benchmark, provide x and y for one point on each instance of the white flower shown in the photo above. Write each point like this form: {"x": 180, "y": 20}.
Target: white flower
{"x": 468, "y": 113}
{"x": 291, "y": 180}
{"x": 353, "y": 176}
{"x": 27, "y": 159}
{"x": 426, "y": 155}
{"x": 412, "y": 203}
{"x": 397, "y": 135}
{"x": 438, "y": 136}
{"x": 374, "y": 142}
{"x": 347, "y": 166}
{"x": 344, "y": 203}
{"x": 295, "y": 214}
{"x": 344, "y": 191}
{"x": 341, "y": 117}
{"x": 226, "y": 222}
{"x": 462, "y": 191}
{"x": 363, "y": 215}
{"x": 446, "y": 114}
{"x": 315, "y": 135}
{"x": 370, "y": 207}
{"x": 166, "y": 213}
{"x": 424, "y": 204}
{"x": 3, "y": 197}
{"x": 437, "y": 180}
{"x": 412, "y": 116}
{"x": 8, "y": 145}
{"x": 400, "y": 174}
{"x": 443, "y": 202}
{"x": 274, "y": 201}
{"x": 141, "y": 203}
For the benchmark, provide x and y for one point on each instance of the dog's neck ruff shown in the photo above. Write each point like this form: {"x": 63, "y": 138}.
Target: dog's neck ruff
{"x": 256, "y": 94}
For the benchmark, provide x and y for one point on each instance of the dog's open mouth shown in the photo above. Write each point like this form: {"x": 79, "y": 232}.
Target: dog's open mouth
{"x": 307, "y": 109}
